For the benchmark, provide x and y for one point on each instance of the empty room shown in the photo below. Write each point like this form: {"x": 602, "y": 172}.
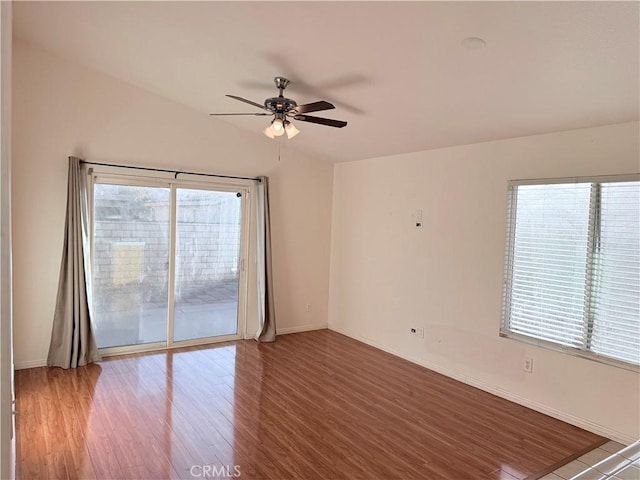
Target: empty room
{"x": 320, "y": 240}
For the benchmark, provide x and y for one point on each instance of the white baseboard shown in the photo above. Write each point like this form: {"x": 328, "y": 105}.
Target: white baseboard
{"x": 280, "y": 331}
{"x": 499, "y": 392}
{"x": 30, "y": 364}
{"x": 301, "y": 328}
{"x": 552, "y": 412}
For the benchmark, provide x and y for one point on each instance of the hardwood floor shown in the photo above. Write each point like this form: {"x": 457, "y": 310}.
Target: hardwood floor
{"x": 311, "y": 405}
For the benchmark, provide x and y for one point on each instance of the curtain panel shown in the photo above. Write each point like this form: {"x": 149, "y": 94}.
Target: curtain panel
{"x": 72, "y": 339}
{"x": 266, "y": 310}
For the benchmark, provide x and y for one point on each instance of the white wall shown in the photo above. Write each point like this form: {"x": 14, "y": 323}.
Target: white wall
{"x": 7, "y": 439}
{"x": 387, "y": 276}
{"x": 63, "y": 109}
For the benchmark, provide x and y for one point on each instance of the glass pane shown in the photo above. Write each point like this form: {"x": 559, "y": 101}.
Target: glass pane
{"x": 616, "y": 329}
{"x": 549, "y": 262}
{"x": 131, "y": 260}
{"x": 207, "y": 263}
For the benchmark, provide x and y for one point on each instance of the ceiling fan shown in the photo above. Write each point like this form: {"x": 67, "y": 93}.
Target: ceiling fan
{"x": 283, "y": 109}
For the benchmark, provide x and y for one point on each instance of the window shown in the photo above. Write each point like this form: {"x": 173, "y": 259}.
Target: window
{"x": 572, "y": 268}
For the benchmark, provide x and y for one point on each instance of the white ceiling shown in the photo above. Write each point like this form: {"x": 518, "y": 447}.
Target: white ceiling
{"x": 396, "y": 71}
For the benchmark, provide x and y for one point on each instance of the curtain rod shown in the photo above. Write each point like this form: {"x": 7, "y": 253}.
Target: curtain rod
{"x": 175, "y": 172}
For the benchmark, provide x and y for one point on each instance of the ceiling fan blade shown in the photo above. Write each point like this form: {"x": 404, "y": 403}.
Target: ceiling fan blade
{"x": 321, "y": 121}
{"x": 313, "y": 107}
{"x": 220, "y": 114}
{"x": 247, "y": 101}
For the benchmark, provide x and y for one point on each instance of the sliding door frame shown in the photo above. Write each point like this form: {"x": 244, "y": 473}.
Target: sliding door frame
{"x": 162, "y": 181}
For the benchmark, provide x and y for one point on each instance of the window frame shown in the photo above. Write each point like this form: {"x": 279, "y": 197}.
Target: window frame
{"x": 507, "y": 283}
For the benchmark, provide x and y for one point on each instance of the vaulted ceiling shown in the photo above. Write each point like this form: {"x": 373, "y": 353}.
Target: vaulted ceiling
{"x": 398, "y": 72}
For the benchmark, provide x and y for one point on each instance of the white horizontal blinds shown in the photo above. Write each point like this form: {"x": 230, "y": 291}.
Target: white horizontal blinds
{"x": 549, "y": 262}
{"x": 616, "y": 288}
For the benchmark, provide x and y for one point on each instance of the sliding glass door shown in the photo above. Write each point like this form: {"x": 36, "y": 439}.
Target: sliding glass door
{"x": 167, "y": 263}
{"x": 130, "y": 264}
{"x": 207, "y": 261}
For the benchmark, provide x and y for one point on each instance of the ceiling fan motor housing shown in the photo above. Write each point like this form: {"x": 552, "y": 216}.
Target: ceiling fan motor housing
{"x": 280, "y": 104}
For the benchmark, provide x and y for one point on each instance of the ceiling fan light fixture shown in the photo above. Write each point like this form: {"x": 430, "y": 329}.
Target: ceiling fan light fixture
{"x": 291, "y": 130}
{"x": 277, "y": 126}
{"x": 269, "y": 133}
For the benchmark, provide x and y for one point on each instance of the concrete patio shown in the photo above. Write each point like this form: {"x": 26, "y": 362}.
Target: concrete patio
{"x": 208, "y": 312}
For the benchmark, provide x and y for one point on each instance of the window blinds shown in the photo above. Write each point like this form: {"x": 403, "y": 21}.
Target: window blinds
{"x": 572, "y": 268}
{"x": 616, "y": 288}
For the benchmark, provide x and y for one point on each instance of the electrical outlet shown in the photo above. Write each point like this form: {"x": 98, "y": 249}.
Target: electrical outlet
{"x": 308, "y": 307}
{"x": 528, "y": 365}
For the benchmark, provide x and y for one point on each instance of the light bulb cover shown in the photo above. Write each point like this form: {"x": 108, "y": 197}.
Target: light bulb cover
{"x": 291, "y": 130}
{"x": 277, "y": 125}
{"x": 269, "y": 132}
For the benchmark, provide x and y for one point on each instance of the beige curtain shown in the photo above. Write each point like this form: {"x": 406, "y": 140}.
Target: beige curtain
{"x": 72, "y": 340}
{"x": 266, "y": 311}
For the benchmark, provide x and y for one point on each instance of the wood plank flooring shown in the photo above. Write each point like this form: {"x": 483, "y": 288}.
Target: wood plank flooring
{"x": 311, "y": 405}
